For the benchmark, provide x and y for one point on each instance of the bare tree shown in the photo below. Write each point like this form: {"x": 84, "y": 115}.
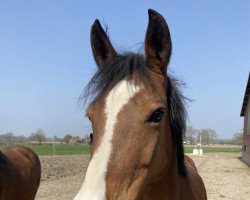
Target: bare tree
{"x": 7, "y": 138}
{"x": 238, "y": 138}
{"x": 21, "y": 138}
{"x": 208, "y": 136}
{"x": 57, "y": 139}
{"x": 11, "y": 138}
{"x": 38, "y": 136}
{"x": 191, "y": 134}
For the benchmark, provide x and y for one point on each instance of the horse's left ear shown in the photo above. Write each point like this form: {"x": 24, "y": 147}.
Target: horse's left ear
{"x": 158, "y": 44}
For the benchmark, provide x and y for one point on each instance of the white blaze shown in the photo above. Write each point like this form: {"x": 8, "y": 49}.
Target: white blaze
{"x": 94, "y": 186}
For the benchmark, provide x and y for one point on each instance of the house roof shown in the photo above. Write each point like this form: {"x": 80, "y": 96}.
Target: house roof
{"x": 246, "y": 97}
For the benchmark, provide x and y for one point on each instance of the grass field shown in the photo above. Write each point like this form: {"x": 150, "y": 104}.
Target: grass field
{"x": 224, "y": 149}
{"x": 59, "y": 149}
{"x": 81, "y": 149}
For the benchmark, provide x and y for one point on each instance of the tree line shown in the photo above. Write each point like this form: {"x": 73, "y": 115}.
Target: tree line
{"x": 192, "y": 136}
{"x": 210, "y": 136}
{"x": 37, "y": 136}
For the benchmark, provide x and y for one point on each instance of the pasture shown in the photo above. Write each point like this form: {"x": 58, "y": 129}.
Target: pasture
{"x": 63, "y": 173}
{"x": 49, "y": 149}
{"x": 224, "y": 175}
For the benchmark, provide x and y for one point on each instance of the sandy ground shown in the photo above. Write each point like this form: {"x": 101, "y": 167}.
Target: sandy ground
{"x": 224, "y": 175}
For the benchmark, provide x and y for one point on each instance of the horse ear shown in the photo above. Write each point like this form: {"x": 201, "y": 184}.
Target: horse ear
{"x": 101, "y": 45}
{"x": 158, "y": 44}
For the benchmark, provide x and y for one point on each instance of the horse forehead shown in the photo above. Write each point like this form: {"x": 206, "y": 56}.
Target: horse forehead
{"x": 120, "y": 95}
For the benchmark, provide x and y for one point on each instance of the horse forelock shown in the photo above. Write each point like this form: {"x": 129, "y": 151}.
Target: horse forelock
{"x": 122, "y": 67}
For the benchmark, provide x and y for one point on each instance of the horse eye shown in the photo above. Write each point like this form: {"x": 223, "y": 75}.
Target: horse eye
{"x": 156, "y": 116}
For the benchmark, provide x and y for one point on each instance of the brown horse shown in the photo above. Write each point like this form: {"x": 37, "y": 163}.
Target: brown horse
{"x": 138, "y": 118}
{"x": 20, "y": 173}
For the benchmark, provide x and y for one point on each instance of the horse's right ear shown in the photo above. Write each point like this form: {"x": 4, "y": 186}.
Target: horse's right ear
{"x": 101, "y": 45}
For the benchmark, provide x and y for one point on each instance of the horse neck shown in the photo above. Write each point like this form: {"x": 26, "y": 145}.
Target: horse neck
{"x": 168, "y": 186}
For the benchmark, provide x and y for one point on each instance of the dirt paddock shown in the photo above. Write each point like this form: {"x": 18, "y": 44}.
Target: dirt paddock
{"x": 225, "y": 176}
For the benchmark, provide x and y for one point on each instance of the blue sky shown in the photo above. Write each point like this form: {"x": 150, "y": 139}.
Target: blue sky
{"x": 46, "y": 59}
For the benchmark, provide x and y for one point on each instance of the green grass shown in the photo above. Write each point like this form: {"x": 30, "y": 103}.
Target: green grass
{"x": 60, "y": 149}
{"x": 227, "y": 149}
{"x": 82, "y": 149}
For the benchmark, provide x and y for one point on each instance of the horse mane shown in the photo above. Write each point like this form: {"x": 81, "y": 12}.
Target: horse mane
{"x": 177, "y": 117}
{"x": 123, "y": 66}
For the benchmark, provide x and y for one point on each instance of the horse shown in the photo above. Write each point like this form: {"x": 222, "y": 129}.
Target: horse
{"x": 20, "y": 173}
{"x": 138, "y": 116}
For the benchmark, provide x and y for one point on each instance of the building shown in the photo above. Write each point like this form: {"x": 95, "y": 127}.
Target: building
{"x": 245, "y": 112}
{"x": 75, "y": 140}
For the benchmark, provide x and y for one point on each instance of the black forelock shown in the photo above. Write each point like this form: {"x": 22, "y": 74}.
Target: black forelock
{"x": 121, "y": 67}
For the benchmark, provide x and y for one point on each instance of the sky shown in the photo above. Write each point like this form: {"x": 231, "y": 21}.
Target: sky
{"x": 46, "y": 59}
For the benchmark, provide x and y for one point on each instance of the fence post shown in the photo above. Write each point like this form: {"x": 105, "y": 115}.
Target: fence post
{"x": 54, "y": 150}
